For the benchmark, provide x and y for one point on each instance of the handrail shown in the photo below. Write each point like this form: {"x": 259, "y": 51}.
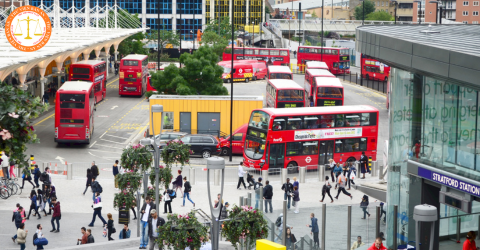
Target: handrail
{"x": 202, "y": 214}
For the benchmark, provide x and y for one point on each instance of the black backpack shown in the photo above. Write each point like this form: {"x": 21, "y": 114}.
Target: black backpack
{"x": 278, "y": 222}
{"x": 44, "y": 177}
{"x": 172, "y": 194}
{"x": 35, "y": 236}
{"x": 99, "y": 188}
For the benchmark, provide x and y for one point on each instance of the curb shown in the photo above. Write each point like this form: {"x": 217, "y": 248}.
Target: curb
{"x": 363, "y": 87}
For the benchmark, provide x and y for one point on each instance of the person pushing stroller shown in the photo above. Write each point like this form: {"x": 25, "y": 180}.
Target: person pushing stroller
{"x": 250, "y": 180}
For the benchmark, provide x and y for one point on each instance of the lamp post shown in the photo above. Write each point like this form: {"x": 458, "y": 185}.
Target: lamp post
{"x": 193, "y": 36}
{"x": 253, "y": 25}
{"x": 395, "y": 5}
{"x": 156, "y": 156}
{"x": 419, "y": 15}
{"x": 158, "y": 31}
{"x": 321, "y": 53}
{"x": 231, "y": 89}
{"x": 181, "y": 31}
{"x": 363, "y": 11}
{"x": 215, "y": 163}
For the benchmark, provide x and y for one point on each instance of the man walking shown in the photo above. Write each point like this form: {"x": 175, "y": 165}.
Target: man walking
{"x": 154, "y": 223}
{"x": 357, "y": 243}
{"x": 267, "y": 196}
{"x": 256, "y": 187}
{"x": 145, "y": 215}
{"x": 378, "y": 245}
{"x": 115, "y": 173}
{"x": 94, "y": 169}
{"x": 241, "y": 172}
{"x": 96, "y": 187}
{"x": 314, "y": 226}
{"x": 341, "y": 182}
{"x": 36, "y": 175}
{"x": 364, "y": 206}
{"x": 186, "y": 192}
{"x": 17, "y": 218}
{"x": 90, "y": 238}
{"x": 288, "y": 188}
{"x": 363, "y": 164}
{"x": 57, "y": 214}
{"x": 84, "y": 238}
{"x": 97, "y": 210}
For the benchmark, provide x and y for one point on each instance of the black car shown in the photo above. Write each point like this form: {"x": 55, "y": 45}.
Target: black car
{"x": 204, "y": 145}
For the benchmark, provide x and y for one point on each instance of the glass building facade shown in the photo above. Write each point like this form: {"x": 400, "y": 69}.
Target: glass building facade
{"x": 433, "y": 123}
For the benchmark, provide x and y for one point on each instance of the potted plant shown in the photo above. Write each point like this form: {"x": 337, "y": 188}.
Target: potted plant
{"x": 245, "y": 226}
{"x": 181, "y": 231}
{"x": 176, "y": 152}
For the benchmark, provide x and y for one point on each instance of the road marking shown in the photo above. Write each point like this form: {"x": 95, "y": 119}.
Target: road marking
{"x": 101, "y": 145}
{"x": 110, "y": 152}
{"x": 116, "y": 136}
{"x": 92, "y": 144}
{"x": 126, "y": 115}
{"x": 114, "y": 107}
{"x": 48, "y": 117}
{"x": 112, "y": 82}
{"x": 114, "y": 141}
{"x": 103, "y": 134}
{"x": 60, "y": 159}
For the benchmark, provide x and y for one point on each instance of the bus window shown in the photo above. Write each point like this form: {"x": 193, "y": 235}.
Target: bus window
{"x": 340, "y": 121}
{"x": 264, "y": 52}
{"x": 311, "y": 122}
{"x": 278, "y": 124}
{"x": 335, "y": 65}
{"x": 302, "y": 148}
{"x": 259, "y": 119}
{"x": 294, "y": 123}
{"x": 352, "y": 120}
{"x": 338, "y": 146}
{"x": 72, "y": 101}
{"x": 363, "y": 144}
{"x": 351, "y": 145}
{"x": 301, "y": 50}
{"x": 327, "y": 121}
{"x": 365, "y": 119}
{"x": 274, "y": 52}
{"x": 130, "y": 63}
{"x": 284, "y": 53}
{"x": 290, "y": 95}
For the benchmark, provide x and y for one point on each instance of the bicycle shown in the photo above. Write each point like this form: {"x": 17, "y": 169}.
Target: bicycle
{"x": 11, "y": 185}
{"x": 4, "y": 193}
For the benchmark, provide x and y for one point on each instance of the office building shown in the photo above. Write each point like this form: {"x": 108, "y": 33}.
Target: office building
{"x": 466, "y": 11}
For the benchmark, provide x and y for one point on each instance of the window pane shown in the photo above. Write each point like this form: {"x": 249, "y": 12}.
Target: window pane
{"x": 311, "y": 122}
{"x": 168, "y": 120}
{"x": 340, "y": 121}
{"x": 284, "y": 53}
{"x": 238, "y": 136}
{"x": 264, "y": 52}
{"x": 278, "y": 124}
{"x": 363, "y": 144}
{"x": 351, "y": 145}
{"x": 294, "y": 123}
{"x": 274, "y": 52}
{"x": 338, "y": 146}
{"x": 290, "y": 95}
{"x": 327, "y": 121}
{"x": 466, "y": 127}
{"x": 352, "y": 120}
{"x": 302, "y": 148}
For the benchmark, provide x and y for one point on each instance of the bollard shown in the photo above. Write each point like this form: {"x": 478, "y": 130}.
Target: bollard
{"x": 349, "y": 227}
{"x": 272, "y": 235}
{"x": 56, "y": 169}
{"x": 395, "y": 226}
{"x": 359, "y": 170}
{"x": 192, "y": 176}
{"x": 283, "y": 175}
{"x": 302, "y": 174}
{"x": 264, "y": 175}
{"x": 260, "y": 198}
{"x": 284, "y": 224}
{"x": 321, "y": 173}
{"x": 65, "y": 168}
{"x": 18, "y": 170}
{"x": 302, "y": 239}
{"x": 375, "y": 168}
{"x": 246, "y": 202}
{"x": 324, "y": 225}
{"x": 369, "y": 169}
{"x": 377, "y": 221}
{"x": 69, "y": 171}
{"x": 311, "y": 244}
{"x": 241, "y": 201}
{"x": 216, "y": 180}
{"x": 380, "y": 173}
{"x": 32, "y": 163}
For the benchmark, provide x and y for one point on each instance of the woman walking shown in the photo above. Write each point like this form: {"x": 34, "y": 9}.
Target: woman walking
{"x": 290, "y": 239}
{"x": 332, "y": 165}
{"x": 186, "y": 193}
{"x": 326, "y": 189}
{"x": 110, "y": 226}
{"x": 296, "y": 198}
{"x": 177, "y": 184}
{"x": 27, "y": 177}
{"x": 89, "y": 180}
{"x": 22, "y": 236}
{"x": 351, "y": 175}
{"x": 12, "y": 170}
{"x": 97, "y": 210}
{"x": 33, "y": 205}
{"x": 41, "y": 201}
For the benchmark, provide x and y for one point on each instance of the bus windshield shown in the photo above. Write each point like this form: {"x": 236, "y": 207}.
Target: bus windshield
{"x": 290, "y": 95}
{"x": 329, "y": 92}
{"x": 280, "y": 76}
{"x": 259, "y": 119}
{"x": 255, "y": 143}
{"x": 72, "y": 101}
{"x": 77, "y": 70}
{"x": 130, "y": 63}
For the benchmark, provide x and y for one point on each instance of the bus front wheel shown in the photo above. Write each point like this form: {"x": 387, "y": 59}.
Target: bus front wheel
{"x": 292, "y": 168}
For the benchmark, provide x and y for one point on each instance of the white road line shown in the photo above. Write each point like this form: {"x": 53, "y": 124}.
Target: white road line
{"x": 103, "y": 134}
{"x": 92, "y": 154}
{"x": 113, "y": 141}
{"x": 117, "y": 136}
{"x": 108, "y": 146}
{"x": 110, "y": 152}
{"x": 92, "y": 144}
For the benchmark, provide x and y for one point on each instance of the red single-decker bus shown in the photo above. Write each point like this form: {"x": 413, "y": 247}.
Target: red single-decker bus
{"x": 337, "y": 59}
{"x": 133, "y": 75}
{"x": 74, "y": 112}
{"x": 373, "y": 69}
{"x": 269, "y": 56}
{"x": 308, "y": 137}
{"x": 94, "y": 71}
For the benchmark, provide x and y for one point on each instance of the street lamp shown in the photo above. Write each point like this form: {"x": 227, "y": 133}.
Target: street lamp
{"x": 215, "y": 163}
{"x": 363, "y": 12}
{"x": 193, "y": 36}
{"x": 436, "y": 11}
{"x": 158, "y": 31}
{"x": 156, "y": 156}
{"x": 321, "y": 53}
{"x": 395, "y": 4}
{"x": 419, "y": 15}
{"x": 181, "y": 31}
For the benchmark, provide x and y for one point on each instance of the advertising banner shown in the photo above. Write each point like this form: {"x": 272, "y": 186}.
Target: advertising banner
{"x": 327, "y": 133}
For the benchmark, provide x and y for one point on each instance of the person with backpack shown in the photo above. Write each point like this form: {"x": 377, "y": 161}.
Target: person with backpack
{"x": 33, "y": 205}
{"x": 267, "y": 196}
{"x": 115, "y": 173}
{"x": 39, "y": 239}
{"x": 364, "y": 206}
{"x": 18, "y": 219}
{"x": 315, "y": 230}
{"x": 279, "y": 224}
{"x": 41, "y": 201}
{"x": 288, "y": 188}
{"x": 89, "y": 180}
{"x": 326, "y": 189}
{"x": 96, "y": 187}
{"x": 36, "y": 175}
{"x": 341, "y": 183}
{"x": 22, "y": 236}
{"x": 186, "y": 192}
{"x": 94, "y": 169}
{"x": 51, "y": 195}
{"x": 57, "y": 215}
{"x": 167, "y": 198}
{"x": 250, "y": 181}
{"x": 257, "y": 191}
{"x": 97, "y": 210}
{"x": 27, "y": 177}
{"x": 178, "y": 183}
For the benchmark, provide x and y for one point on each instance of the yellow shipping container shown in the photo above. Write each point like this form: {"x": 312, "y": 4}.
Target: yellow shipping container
{"x": 202, "y": 114}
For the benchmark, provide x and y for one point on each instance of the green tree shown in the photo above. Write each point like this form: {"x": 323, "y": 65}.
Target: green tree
{"x": 17, "y": 108}
{"x": 267, "y": 10}
{"x": 314, "y": 14}
{"x": 216, "y": 42}
{"x": 369, "y": 8}
{"x": 133, "y": 45}
{"x": 200, "y": 75}
{"x": 225, "y": 28}
{"x": 379, "y": 16}
{"x": 166, "y": 37}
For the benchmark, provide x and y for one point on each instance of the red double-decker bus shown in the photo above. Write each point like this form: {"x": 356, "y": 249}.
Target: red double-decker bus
{"x": 74, "y": 112}
{"x": 316, "y": 65}
{"x": 337, "y": 59}
{"x": 279, "y": 72}
{"x": 269, "y": 56}
{"x": 308, "y": 137}
{"x": 284, "y": 94}
{"x": 310, "y": 83}
{"x": 328, "y": 92}
{"x": 133, "y": 75}
{"x": 373, "y": 69}
{"x": 94, "y": 71}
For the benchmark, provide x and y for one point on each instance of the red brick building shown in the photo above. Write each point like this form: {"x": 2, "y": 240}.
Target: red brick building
{"x": 465, "y": 11}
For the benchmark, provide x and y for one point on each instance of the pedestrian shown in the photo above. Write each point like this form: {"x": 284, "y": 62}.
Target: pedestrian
{"x": 52, "y": 194}
{"x": 12, "y": 168}
{"x": 287, "y": 187}
{"x": 22, "y": 236}
{"x": 218, "y": 202}
{"x": 46, "y": 97}
{"x": 294, "y": 54}
{"x": 95, "y": 171}
{"x": 36, "y": 175}
{"x": 346, "y": 168}
{"x": 351, "y": 174}
{"x": 337, "y": 170}
{"x": 38, "y": 235}
{"x": 257, "y": 191}
{"x": 332, "y": 166}
{"x": 224, "y": 211}
{"x": 145, "y": 215}
{"x": 241, "y": 172}
{"x": 133, "y": 209}
{"x": 18, "y": 218}
{"x": 279, "y": 224}
{"x": 341, "y": 182}
{"x": 96, "y": 187}
{"x": 41, "y": 201}
{"x": 89, "y": 180}
{"x": 5, "y": 164}
{"x": 154, "y": 224}
{"x": 167, "y": 202}
{"x": 383, "y": 211}
{"x": 296, "y": 199}
{"x": 357, "y": 243}
{"x": 315, "y": 230}
{"x": 115, "y": 174}
{"x": 33, "y": 205}
{"x": 57, "y": 215}
{"x": 290, "y": 239}
{"x": 46, "y": 179}
{"x": 363, "y": 164}
{"x": 27, "y": 177}
{"x": 377, "y": 245}
{"x": 178, "y": 183}
{"x": 469, "y": 243}
{"x": 186, "y": 192}
{"x": 125, "y": 233}
{"x": 110, "y": 226}
{"x": 97, "y": 210}
{"x": 295, "y": 184}
{"x": 90, "y": 238}
{"x": 326, "y": 189}
{"x": 364, "y": 206}
{"x": 84, "y": 238}
{"x": 267, "y": 196}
